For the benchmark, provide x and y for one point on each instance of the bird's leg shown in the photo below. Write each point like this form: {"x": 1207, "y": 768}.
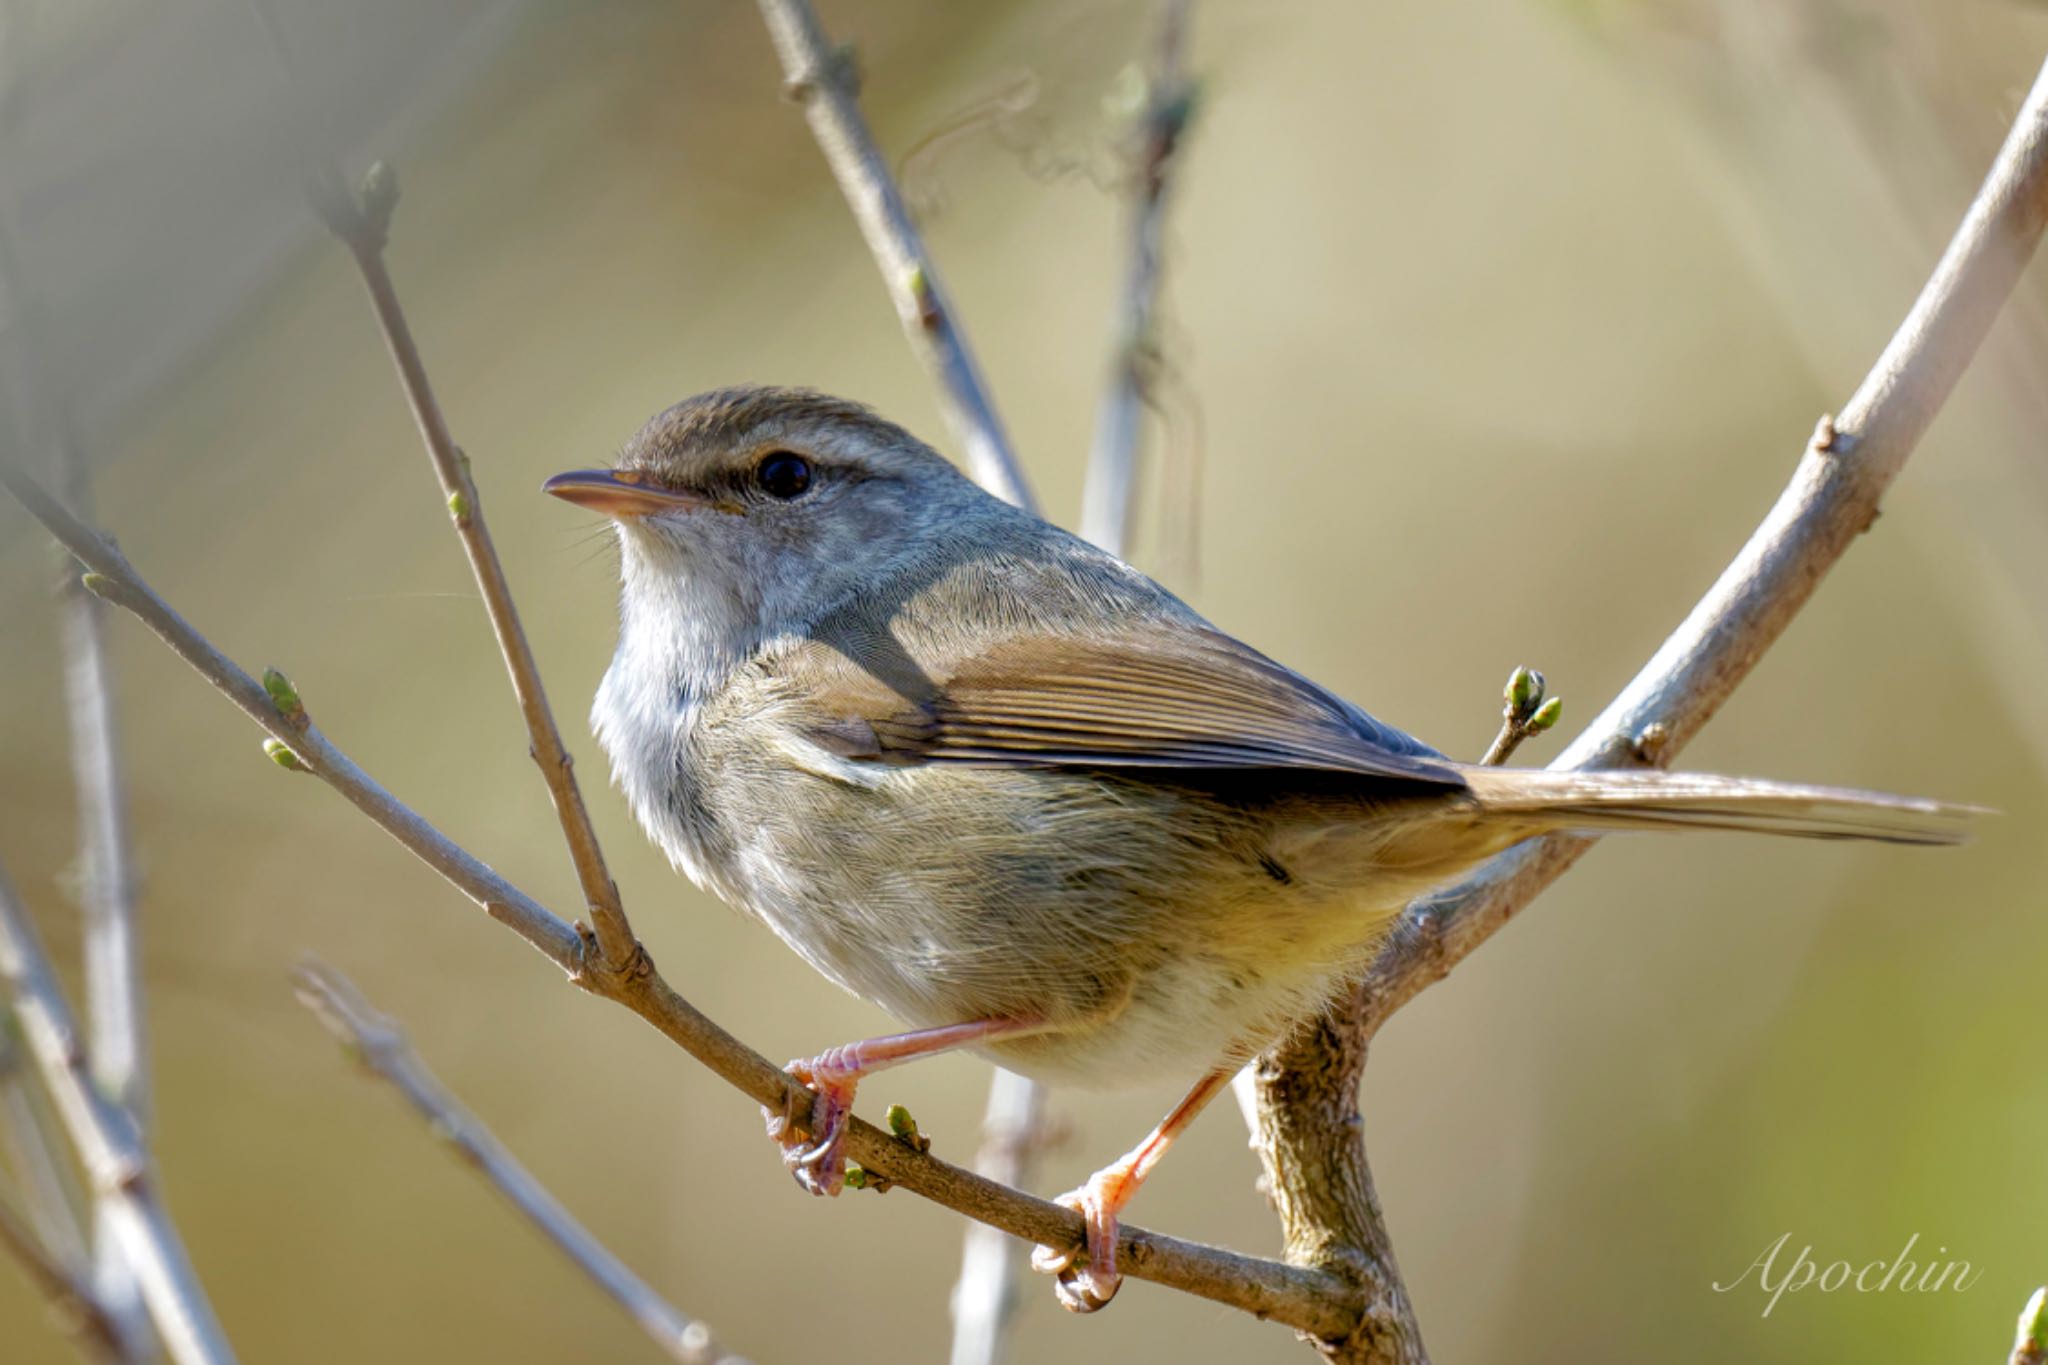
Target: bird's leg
{"x": 817, "y": 1157}
{"x": 1088, "y": 1279}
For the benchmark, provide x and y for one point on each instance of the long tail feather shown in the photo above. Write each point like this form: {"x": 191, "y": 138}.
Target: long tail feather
{"x": 1659, "y": 800}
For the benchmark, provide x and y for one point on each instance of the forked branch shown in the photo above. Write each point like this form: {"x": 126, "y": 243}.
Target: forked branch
{"x": 1311, "y": 1127}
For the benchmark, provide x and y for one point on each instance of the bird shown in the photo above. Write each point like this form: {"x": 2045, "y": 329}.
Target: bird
{"x": 1012, "y": 791}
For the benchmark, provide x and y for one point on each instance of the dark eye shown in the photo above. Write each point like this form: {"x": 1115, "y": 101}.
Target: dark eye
{"x": 783, "y": 475}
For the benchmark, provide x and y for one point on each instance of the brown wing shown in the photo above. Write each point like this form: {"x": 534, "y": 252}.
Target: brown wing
{"x": 1163, "y": 695}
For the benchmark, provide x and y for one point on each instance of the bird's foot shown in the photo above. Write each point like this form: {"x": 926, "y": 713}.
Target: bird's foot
{"x": 1087, "y": 1279}
{"x": 816, "y": 1152}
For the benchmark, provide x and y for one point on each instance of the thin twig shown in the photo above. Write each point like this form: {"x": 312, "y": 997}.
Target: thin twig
{"x": 108, "y": 1145}
{"x": 1307, "y": 1299}
{"x": 116, "y": 1022}
{"x": 1524, "y": 712}
{"x": 361, "y": 220}
{"x": 1108, "y": 504}
{"x": 1311, "y": 1130}
{"x": 71, "y": 1300}
{"x": 823, "y": 80}
{"x": 380, "y": 1045}
{"x": 986, "y": 1294}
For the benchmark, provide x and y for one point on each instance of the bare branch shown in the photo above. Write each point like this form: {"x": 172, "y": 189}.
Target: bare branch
{"x": 823, "y": 80}
{"x": 1108, "y": 508}
{"x": 114, "y": 1014}
{"x": 1310, "y": 1132}
{"x": 1307, "y": 1299}
{"x": 365, "y": 238}
{"x": 109, "y": 1146}
{"x": 986, "y": 1294}
{"x": 71, "y": 1300}
{"x": 380, "y": 1045}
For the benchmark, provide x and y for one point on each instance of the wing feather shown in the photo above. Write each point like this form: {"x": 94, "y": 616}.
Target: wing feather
{"x": 1161, "y": 694}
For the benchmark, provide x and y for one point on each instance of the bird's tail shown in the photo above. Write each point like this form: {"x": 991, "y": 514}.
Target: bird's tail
{"x": 1660, "y": 800}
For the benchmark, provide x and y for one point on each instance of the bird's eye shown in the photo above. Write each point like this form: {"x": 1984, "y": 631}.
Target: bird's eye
{"x": 783, "y": 475}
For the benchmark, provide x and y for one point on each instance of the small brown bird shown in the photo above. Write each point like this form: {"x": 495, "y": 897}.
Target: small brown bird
{"x": 1020, "y": 796}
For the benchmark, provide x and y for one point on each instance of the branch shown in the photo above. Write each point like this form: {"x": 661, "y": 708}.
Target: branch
{"x": 115, "y": 1018}
{"x": 376, "y": 1041}
{"x": 823, "y": 80}
{"x": 1108, "y": 509}
{"x": 1306, "y": 1299}
{"x": 71, "y": 1300}
{"x": 361, "y": 220}
{"x": 986, "y": 1294}
{"x": 1311, "y": 1131}
{"x": 109, "y": 1147}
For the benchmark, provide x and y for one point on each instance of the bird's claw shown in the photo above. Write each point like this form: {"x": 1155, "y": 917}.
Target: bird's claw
{"x": 1087, "y": 1278}
{"x": 816, "y": 1158}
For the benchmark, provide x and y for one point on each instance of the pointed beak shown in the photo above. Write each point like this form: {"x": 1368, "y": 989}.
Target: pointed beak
{"x": 619, "y": 493}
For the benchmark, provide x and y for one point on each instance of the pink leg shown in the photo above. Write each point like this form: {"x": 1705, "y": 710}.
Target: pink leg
{"x": 818, "y": 1159}
{"x": 1086, "y": 1286}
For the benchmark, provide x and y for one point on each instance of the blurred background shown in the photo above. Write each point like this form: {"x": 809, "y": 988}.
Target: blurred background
{"x": 1497, "y": 326}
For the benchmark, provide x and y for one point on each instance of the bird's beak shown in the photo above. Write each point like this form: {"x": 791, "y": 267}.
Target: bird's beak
{"x": 619, "y": 493}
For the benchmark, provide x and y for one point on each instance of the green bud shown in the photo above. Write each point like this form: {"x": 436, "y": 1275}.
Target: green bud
{"x": 1524, "y": 691}
{"x": 98, "y": 584}
{"x": 901, "y": 1123}
{"x": 458, "y": 507}
{"x": 281, "y": 754}
{"x": 284, "y": 697}
{"x": 2032, "y": 1340}
{"x": 1546, "y": 716}
{"x": 856, "y": 1176}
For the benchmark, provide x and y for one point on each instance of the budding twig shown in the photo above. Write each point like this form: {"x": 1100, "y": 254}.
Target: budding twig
{"x": 381, "y": 1046}
{"x": 1524, "y": 712}
{"x": 361, "y": 220}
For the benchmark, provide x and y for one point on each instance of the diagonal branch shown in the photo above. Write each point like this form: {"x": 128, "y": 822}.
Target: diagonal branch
{"x": 381, "y": 1047}
{"x": 1307, "y": 1299}
{"x": 362, "y": 221}
{"x": 823, "y": 80}
{"x": 109, "y": 1146}
{"x": 1310, "y": 1134}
